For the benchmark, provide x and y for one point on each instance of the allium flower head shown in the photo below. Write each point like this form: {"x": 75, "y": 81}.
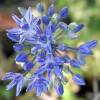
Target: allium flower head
{"x": 42, "y": 53}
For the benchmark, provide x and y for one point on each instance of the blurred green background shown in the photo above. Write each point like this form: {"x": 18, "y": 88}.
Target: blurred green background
{"x": 80, "y": 11}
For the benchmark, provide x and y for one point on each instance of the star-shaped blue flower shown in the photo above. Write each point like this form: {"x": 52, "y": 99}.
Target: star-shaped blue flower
{"x": 17, "y": 80}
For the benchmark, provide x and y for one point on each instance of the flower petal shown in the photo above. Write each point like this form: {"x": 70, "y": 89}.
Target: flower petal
{"x": 13, "y": 37}
{"x": 11, "y": 85}
{"x": 45, "y": 20}
{"x": 29, "y": 16}
{"x": 9, "y": 76}
{"x": 18, "y": 47}
{"x": 35, "y": 48}
{"x": 51, "y": 10}
{"x": 38, "y": 90}
{"x": 16, "y": 31}
{"x": 75, "y": 63}
{"x": 77, "y": 78}
{"x": 40, "y": 70}
{"x": 19, "y": 87}
{"x": 91, "y": 44}
{"x": 63, "y": 26}
{"x": 31, "y": 85}
{"x": 78, "y": 28}
{"x": 17, "y": 20}
{"x": 58, "y": 87}
{"x": 64, "y": 12}
{"x": 28, "y": 66}
{"x": 40, "y": 7}
{"x": 22, "y": 57}
{"x": 85, "y": 50}
{"x": 58, "y": 72}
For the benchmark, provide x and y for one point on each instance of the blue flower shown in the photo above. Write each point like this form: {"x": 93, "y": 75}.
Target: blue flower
{"x": 75, "y": 63}
{"x": 17, "y": 79}
{"x": 45, "y": 20}
{"x": 73, "y": 28}
{"x": 26, "y": 30}
{"x": 86, "y": 48}
{"x": 39, "y": 84}
{"x": 51, "y": 10}
{"x": 40, "y": 7}
{"x": 22, "y": 57}
{"x": 64, "y": 12}
{"x": 77, "y": 78}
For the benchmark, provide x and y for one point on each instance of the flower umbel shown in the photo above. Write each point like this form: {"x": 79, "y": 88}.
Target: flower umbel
{"x": 41, "y": 52}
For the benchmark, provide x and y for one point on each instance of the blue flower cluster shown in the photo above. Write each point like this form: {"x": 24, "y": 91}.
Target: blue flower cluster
{"x": 44, "y": 58}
